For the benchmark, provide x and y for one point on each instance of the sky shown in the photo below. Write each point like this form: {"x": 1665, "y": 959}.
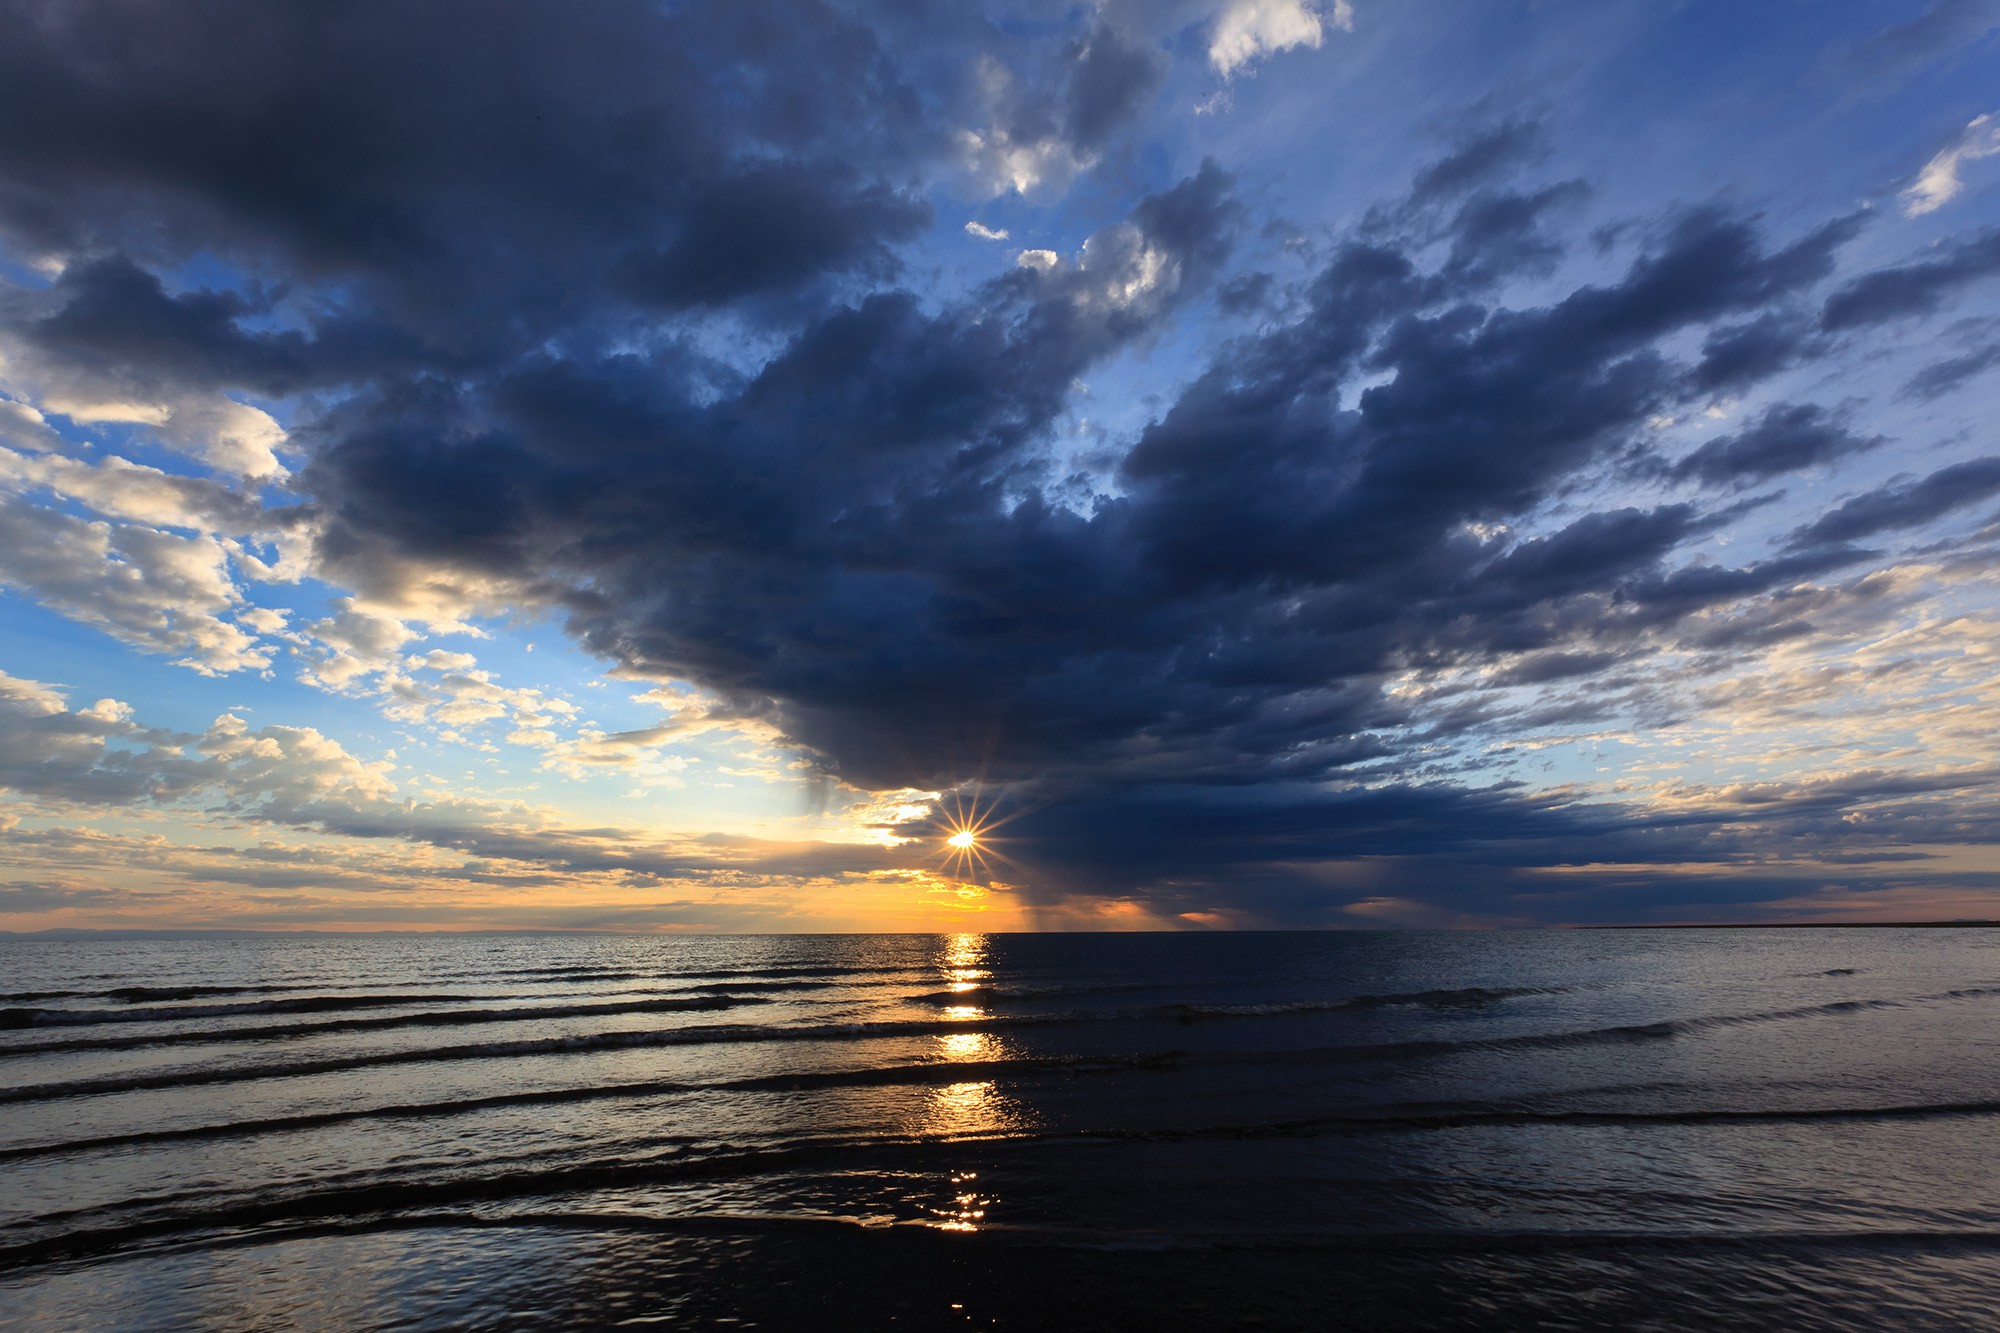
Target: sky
{"x": 1251, "y": 463}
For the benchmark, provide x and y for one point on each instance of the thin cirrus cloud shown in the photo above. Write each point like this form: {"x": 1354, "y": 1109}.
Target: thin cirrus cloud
{"x": 1941, "y": 180}
{"x": 599, "y": 478}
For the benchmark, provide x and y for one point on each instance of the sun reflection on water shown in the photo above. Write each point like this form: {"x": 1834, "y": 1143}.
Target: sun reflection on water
{"x": 964, "y": 960}
{"x": 967, "y": 1208}
{"x": 974, "y": 1107}
{"x": 964, "y": 1046}
{"x": 963, "y": 963}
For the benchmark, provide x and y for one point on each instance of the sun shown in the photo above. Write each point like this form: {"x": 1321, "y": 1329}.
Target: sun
{"x": 971, "y": 843}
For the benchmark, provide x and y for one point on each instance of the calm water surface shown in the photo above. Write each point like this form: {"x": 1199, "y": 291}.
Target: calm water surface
{"x": 1671, "y": 1129}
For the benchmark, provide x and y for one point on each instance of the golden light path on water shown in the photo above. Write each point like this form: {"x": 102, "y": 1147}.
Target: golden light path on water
{"x": 974, "y": 1107}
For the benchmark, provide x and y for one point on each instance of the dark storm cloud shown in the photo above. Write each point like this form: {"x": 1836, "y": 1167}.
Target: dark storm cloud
{"x": 1735, "y": 356}
{"x": 1942, "y": 377}
{"x": 1110, "y": 82}
{"x": 1788, "y": 437}
{"x": 509, "y": 231}
{"x": 1904, "y": 504}
{"x": 855, "y": 536}
{"x": 1304, "y": 856}
{"x": 770, "y": 231}
{"x": 112, "y": 314}
{"x": 1912, "y": 289}
{"x": 477, "y": 168}
{"x": 1504, "y": 234}
{"x": 1485, "y": 155}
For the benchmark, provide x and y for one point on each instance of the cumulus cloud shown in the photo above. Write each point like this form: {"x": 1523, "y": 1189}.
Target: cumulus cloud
{"x": 160, "y": 591}
{"x": 119, "y": 488}
{"x": 1249, "y": 30}
{"x": 1003, "y": 163}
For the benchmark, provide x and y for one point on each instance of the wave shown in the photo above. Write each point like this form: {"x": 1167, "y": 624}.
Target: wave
{"x": 20, "y": 1018}
{"x": 1467, "y": 997}
{"x": 157, "y": 994}
{"x": 835, "y": 970}
{"x": 929, "y": 1245}
{"x": 1666, "y": 1029}
{"x": 1504, "y": 1116}
{"x": 148, "y": 994}
{"x": 929, "y": 1074}
{"x": 447, "y": 1018}
{"x": 949, "y": 1072}
{"x": 376, "y": 1198}
{"x": 626, "y": 973}
{"x": 162, "y": 1013}
{"x": 382, "y": 1202}
{"x": 993, "y": 994}
{"x": 585, "y": 1043}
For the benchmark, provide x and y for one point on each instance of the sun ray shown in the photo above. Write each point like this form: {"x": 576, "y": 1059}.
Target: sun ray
{"x": 969, "y": 841}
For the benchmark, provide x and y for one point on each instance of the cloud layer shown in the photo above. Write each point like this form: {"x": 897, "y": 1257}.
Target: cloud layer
{"x": 631, "y": 319}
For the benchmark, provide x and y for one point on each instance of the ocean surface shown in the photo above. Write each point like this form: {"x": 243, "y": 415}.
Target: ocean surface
{"x": 1563, "y": 1129}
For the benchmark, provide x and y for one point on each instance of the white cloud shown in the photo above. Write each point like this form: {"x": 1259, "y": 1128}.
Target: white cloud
{"x": 91, "y": 412}
{"x": 53, "y": 760}
{"x": 438, "y": 659}
{"x": 262, "y": 619}
{"x": 120, "y": 488}
{"x": 1116, "y": 268}
{"x": 108, "y": 710}
{"x": 126, "y": 573}
{"x": 159, "y": 591}
{"x": 354, "y": 643}
{"x": 291, "y": 774}
{"x": 1938, "y": 183}
{"x": 1003, "y": 163}
{"x": 29, "y": 696}
{"x": 1004, "y": 157}
{"x": 643, "y": 751}
{"x": 229, "y": 436}
{"x": 984, "y": 232}
{"x": 22, "y": 426}
{"x": 1123, "y": 268}
{"x": 358, "y": 651}
{"x": 1248, "y": 30}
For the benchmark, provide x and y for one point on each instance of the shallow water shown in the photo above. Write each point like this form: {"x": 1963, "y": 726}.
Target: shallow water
{"x": 1658, "y": 1129}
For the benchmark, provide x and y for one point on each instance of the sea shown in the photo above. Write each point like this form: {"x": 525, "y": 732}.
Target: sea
{"x": 1564, "y": 1129}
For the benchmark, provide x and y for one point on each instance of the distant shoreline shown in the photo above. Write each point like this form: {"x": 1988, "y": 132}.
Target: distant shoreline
{"x": 133, "y": 933}
{"x": 1796, "y": 925}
